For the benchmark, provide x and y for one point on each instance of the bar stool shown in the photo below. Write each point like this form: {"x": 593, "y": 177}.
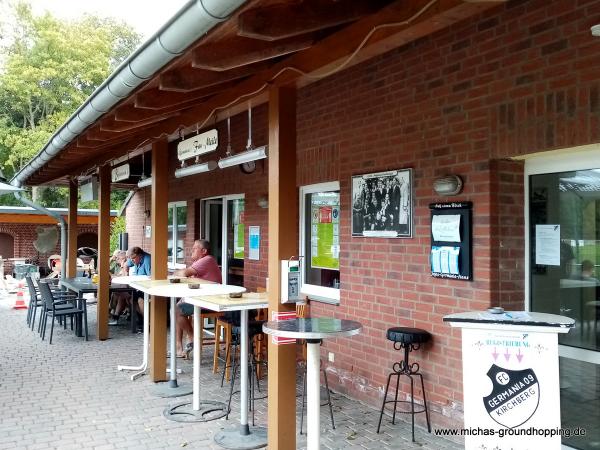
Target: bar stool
{"x": 408, "y": 339}
{"x": 254, "y": 330}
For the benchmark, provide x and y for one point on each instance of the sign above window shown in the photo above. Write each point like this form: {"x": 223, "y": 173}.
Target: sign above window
{"x": 120, "y": 173}
{"x": 198, "y": 145}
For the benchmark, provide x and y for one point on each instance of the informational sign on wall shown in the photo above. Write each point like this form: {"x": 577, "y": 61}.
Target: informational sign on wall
{"x": 254, "y": 243}
{"x": 325, "y": 232}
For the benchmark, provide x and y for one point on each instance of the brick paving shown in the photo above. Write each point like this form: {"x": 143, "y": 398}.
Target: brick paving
{"x": 69, "y": 395}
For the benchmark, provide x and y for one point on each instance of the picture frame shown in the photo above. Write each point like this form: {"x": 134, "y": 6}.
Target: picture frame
{"x": 382, "y": 204}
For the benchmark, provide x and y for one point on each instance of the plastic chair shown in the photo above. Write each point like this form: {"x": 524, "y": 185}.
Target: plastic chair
{"x": 57, "y": 307}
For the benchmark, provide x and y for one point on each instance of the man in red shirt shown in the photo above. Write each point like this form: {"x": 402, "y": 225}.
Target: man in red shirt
{"x": 204, "y": 266}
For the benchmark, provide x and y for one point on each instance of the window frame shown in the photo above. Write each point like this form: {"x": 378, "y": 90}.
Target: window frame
{"x": 319, "y": 293}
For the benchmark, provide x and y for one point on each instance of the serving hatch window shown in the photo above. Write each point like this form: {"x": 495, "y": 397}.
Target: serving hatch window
{"x": 320, "y": 241}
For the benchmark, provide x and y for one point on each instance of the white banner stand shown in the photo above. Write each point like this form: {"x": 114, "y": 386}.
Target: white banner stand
{"x": 510, "y": 378}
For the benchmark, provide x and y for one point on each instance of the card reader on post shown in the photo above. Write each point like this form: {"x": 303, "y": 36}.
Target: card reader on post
{"x": 290, "y": 281}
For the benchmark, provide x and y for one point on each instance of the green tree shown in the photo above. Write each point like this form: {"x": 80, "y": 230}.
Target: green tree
{"x": 48, "y": 68}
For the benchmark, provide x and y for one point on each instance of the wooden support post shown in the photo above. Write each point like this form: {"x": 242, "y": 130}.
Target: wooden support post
{"x": 158, "y": 306}
{"x": 103, "y": 252}
{"x": 283, "y": 243}
{"x": 72, "y": 244}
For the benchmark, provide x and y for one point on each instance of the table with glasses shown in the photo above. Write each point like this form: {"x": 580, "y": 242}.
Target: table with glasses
{"x": 168, "y": 289}
{"x": 313, "y": 330}
{"x": 84, "y": 285}
{"x": 244, "y": 437}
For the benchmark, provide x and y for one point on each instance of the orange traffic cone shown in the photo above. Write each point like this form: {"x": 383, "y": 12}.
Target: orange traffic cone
{"x": 20, "y": 302}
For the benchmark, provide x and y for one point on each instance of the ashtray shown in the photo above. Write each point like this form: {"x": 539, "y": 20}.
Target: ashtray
{"x": 193, "y": 286}
{"x": 174, "y": 280}
{"x": 496, "y": 310}
{"x": 235, "y": 295}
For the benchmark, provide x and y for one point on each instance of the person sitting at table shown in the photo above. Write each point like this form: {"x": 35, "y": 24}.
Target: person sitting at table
{"x": 587, "y": 271}
{"x": 119, "y": 300}
{"x": 204, "y": 266}
{"x": 139, "y": 263}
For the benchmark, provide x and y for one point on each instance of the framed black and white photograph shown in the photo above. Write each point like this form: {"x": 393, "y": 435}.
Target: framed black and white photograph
{"x": 382, "y": 204}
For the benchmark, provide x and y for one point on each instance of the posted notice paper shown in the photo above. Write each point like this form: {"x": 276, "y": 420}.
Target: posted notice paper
{"x": 446, "y": 227}
{"x": 547, "y": 245}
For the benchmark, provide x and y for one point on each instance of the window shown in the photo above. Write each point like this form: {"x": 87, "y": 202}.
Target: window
{"x": 177, "y": 221}
{"x": 320, "y": 241}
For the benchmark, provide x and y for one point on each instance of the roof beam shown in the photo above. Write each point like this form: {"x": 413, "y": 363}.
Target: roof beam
{"x": 282, "y": 21}
{"x": 241, "y": 51}
{"x": 111, "y": 125}
{"x": 185, "y": 79}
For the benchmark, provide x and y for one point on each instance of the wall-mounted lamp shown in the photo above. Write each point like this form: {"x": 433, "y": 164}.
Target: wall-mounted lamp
{"x": 263, "y": 202}
{"x": 448, "y": 185}
{"x": 196, "y": 168}
{"x": 595, "y": 29}
{"x": 145, "y": 182}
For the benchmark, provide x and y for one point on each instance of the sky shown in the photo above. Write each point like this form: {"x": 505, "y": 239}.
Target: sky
{"x": 145, "y": 16}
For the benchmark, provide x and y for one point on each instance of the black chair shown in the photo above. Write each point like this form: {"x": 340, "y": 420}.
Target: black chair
{"x": 59, "y": 307}
{"x": 326, "y": 403}
{"x": 35, "y": 301}
{"x": 254, "y": 329}
{"x": 407, "y": 339}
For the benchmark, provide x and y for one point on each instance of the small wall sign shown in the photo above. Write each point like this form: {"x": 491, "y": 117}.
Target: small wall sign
{"x": 120, "y": 173}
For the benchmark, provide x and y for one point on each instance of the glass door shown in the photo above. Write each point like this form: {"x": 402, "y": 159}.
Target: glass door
{"x": 563, "y": 201}
{"x": 223, "y": 225}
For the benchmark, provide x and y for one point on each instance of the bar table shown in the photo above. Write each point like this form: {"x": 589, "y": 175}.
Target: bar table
{"x": 313, "y": 330}
{"x": 128, "y": 280}
{"x": 244, "y": 437}
{"x": 168, "y": 289}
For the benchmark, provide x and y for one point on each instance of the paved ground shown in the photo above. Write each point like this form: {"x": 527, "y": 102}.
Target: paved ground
{"x": 70, "y": 395}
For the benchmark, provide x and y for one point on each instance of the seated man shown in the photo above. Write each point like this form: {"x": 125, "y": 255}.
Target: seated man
{"x": 204, "y": 266}
{"x": 139, "y": 263}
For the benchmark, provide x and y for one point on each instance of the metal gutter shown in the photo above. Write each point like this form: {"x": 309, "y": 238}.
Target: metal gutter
{"x": 190, "y": 23}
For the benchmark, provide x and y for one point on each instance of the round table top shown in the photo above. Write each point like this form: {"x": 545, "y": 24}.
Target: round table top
{"x": 313, "y": 328}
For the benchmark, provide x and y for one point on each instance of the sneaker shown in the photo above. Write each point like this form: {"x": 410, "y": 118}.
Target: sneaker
{"x": 188, "y": 347}
{"x": 113, "y": 322}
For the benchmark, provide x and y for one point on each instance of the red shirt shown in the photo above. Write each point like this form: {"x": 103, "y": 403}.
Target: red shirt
{"x": 207, "y": 269}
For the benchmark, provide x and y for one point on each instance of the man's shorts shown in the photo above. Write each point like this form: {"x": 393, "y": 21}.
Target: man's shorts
{"x": 186, "y": 309}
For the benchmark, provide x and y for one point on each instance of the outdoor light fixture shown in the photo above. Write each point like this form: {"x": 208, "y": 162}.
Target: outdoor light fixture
{"x": 249, "y": 155}
{"x": 196, "y": 168}
{"x": 595, "y": 29}
{"x": 448, "y": 185}
{"x": 145, "y": 182}
{"x": 243, "y": 157}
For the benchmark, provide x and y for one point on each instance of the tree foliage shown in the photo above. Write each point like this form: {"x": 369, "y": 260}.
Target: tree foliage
{"x": 48, "y": 67}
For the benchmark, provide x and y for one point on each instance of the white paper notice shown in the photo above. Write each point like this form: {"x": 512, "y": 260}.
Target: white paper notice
{"x": 446, "y": 227}
{"x": 547, "y": 245}
{"x": 453, "y": 254}
{"x": 444, "y": 259}
{"x": 435, "y": 260}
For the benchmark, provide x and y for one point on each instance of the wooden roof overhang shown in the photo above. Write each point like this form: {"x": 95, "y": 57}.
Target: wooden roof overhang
{"x": 266, "y": 42}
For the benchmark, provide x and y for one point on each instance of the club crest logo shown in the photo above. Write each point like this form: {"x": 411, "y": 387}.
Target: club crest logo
{"x": 515, "y": 396}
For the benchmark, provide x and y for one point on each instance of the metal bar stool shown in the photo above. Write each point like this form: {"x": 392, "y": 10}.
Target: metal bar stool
{"x": 408, "y": 339}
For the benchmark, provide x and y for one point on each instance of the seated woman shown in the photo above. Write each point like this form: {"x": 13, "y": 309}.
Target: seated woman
{"x": 120, "y": 300}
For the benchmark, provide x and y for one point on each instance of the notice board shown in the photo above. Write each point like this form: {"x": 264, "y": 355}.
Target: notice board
{"x": 451, "y": 240}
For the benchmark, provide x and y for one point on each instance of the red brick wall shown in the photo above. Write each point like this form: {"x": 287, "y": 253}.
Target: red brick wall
{"x": 518, "y": 79}
{"x": 24, "y": 234}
